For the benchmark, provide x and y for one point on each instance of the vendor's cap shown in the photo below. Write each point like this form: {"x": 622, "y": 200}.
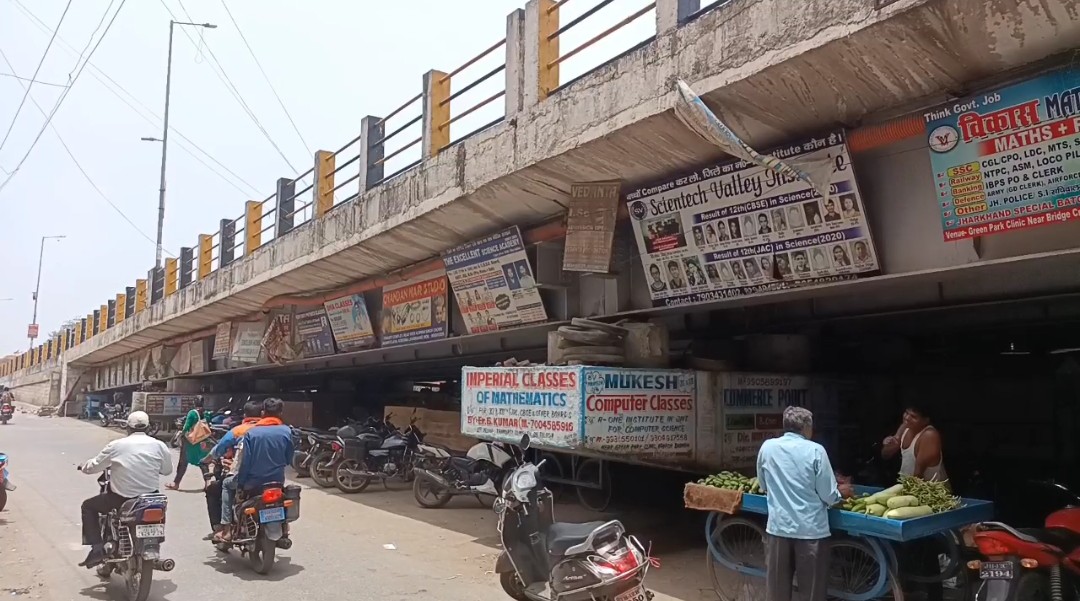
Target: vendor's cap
{"x": 138, "y": 419}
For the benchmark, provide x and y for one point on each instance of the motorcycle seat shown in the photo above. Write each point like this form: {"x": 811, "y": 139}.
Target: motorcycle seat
{"x": 563, "y": 535}
{"x": 462, "y": 463}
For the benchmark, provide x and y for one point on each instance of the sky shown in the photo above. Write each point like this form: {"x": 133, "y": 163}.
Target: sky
{"x": 330, "y": 64}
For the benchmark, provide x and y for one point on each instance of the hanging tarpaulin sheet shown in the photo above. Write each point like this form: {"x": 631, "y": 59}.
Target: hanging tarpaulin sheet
{"x": 315, "y": 335}
{"x": 350, "y": 322}
{"x": 502, "y": 403}
{"x": 1008, "y": 159}
{"x": 222, "y": 340}
{"x": 181, "y": 362}
{"x": 198, "y": 356}
{"x": 415, "y": 310}
{"x": 494, "y": 283}
{"x": 735, "y": 229}
{"x": 590, "y": 227}
{"x": 247, "y": 344}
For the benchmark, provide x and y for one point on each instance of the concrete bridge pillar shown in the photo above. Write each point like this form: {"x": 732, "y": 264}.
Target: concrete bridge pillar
{"x": 670, "y": 14}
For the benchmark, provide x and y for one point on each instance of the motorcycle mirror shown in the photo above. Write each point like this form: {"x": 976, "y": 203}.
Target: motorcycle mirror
{"x": 525, "y": 442}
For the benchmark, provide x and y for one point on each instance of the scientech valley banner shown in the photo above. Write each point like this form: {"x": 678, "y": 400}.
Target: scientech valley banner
{"x": 1008, "y": 159}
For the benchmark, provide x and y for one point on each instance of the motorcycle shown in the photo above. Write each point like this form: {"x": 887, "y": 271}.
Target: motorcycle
{"x": 5, "y": 481}
{"x": 113, "y": 415}
{"x": 133, "y": 536}
{"x": 1031, "y": 564}
{"x": 379, "y": 453}
{"x": 480, "y": 472}
{"x": 544, "y": 560}
{"x": 261, "y": 524}
{"x": 6, "y": 413}
{"x": 324, "y": 454}
{"x": 305, "y": 441}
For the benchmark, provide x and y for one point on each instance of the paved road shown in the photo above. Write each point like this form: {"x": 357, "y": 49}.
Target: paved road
{"x": 441, "y": 555}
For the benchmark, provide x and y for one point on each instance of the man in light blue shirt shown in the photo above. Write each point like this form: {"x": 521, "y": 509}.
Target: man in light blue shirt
{"x": 800, "y": 487}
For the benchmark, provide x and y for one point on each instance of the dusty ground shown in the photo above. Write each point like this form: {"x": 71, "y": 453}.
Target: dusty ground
{"x": 375, "y": 545}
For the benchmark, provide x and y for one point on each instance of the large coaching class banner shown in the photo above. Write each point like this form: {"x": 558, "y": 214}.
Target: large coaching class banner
{"x": 735, "y": 229}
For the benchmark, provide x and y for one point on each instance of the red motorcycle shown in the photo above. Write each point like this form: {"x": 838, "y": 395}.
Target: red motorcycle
{"x": 1030, "y": 564}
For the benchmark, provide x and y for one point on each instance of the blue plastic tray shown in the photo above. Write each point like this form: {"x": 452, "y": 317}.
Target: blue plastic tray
{"x": 970, "y": 512}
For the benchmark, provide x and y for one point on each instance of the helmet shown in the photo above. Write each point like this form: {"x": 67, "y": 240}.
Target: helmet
{"x": 138, "y": 420}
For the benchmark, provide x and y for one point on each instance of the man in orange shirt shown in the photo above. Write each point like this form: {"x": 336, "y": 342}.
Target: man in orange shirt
{"x": 223, "y": 453}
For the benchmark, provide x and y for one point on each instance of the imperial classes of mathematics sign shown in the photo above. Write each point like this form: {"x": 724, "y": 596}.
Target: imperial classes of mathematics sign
{"x": 1008, "y": 159}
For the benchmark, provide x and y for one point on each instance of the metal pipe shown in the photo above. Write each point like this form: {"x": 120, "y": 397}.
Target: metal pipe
{"x": 472, "y": 61}
{"x": 398, "y": 130}
{"x": 350, "y": 143}
{"x": 479, "y": 81}
{"x": 604, "y": 34}
{"x": 592, "y": 11}
{"x": 346, "y": 182}
{"x": 346, "y": 164}
{"x": 480, "y": 105}
{"x": 401, "y": 108}
{"x": 399, "y": 151}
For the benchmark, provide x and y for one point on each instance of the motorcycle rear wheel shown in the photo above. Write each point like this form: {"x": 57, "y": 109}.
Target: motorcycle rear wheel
{"x": 301, "y": 471}
{"x": 322, "y": 471}
{"x": 349, "y": 483}
{"x": 261, "y": 555}
{"x": 430, "y": 495}
{"x": 138, "y": 579}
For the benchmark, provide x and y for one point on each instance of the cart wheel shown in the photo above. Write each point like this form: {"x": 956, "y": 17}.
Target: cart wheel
{"x": 860, "y": 572}
{"x": 946, "y": 545}
{"x": 552, "y": 468}
{"x": 594, "y": 470}
{"x": 736, "y": 559}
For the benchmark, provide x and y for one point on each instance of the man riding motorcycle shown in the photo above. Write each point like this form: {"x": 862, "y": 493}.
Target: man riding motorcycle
{"x": 223, "y": 452}
{"x": 266, "y": 449}
{"x": 137, "y": 463}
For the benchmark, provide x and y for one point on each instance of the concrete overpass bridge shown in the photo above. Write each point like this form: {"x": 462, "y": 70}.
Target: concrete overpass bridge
{"x": 774, "y": 70}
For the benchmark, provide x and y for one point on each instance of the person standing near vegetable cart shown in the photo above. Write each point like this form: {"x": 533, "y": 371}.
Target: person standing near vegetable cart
{"x": 800, "y": 487}
{"x": 192, "y": 453}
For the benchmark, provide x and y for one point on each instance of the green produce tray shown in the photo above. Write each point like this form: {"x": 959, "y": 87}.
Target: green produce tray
{"x": 971, "y": 511}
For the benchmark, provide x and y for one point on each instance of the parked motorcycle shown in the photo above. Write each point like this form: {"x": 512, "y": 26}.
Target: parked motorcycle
{"x": 5, "y": 481}
{"x": 6, "y": 413}
{"x": 544, "y": 560}
{"x": 1031, "y": 564}
{"x": 306, "y": 443}
{"x": 480, "y": 472}
{"x": 113, "y": 415}
{"x": 261, "y": 524}
{"x": 133, "y": 536}
{"x": 380, "y": 452}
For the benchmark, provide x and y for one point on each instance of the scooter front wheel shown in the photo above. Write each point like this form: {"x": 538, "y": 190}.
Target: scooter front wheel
{"x": 513, "y": 586}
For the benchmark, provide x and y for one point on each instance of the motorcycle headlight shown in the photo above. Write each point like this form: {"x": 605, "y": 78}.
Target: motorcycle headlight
{"x": 524, "y": 481}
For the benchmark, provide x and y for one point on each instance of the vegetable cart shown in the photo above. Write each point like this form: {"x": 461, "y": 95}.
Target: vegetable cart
{"x": 863, "y": 552}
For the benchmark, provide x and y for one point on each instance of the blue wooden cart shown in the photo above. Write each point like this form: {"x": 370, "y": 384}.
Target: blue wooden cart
{"x": 736, "y": 545}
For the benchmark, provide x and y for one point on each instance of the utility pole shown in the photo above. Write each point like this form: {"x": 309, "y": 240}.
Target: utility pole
{"x": 31, "y": 332}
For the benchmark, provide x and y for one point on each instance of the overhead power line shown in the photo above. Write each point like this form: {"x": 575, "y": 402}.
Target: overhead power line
{"x": 219, "y": 70}
{"x": 37, "y": 71}
{"x": 281, "y": 103}
{"x": 86, "y": 175}
{"x": 112, "y": 86}
{"x": 63, "y": 96}
{"x": 27, "y": 79}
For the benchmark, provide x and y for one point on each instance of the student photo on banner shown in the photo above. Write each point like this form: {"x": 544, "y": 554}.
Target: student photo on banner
{"x": 656, "y": 278}
{"x": 511, "y": 277}
{"x": 675, "y": 275}
{"x": 524, "y": 274}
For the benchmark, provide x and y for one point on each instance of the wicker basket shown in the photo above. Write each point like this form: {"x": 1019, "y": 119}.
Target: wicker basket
{"x": 710, "y": 498}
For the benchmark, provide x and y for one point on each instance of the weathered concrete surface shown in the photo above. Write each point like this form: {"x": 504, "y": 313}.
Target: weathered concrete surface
{"x": 773, "y": 69}
{"x": 40, "y": 385}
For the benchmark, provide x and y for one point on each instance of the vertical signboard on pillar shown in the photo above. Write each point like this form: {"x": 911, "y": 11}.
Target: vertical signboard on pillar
{"x": 590, "y": 227}
{"x": 493, "y": 282}
{"x": 247, "y": 343}
{"x": 350, "y": 322}
{"x": 640, "y": 412}
{"x": 222, "y": 341}
{"x": 503, "y": 403}
{"x": 415, "y": 310}
{"x": 751, "y": 411}
{"x": 1008, "y": 159}
{"x": 735, "y": 228}
{"x": 315, "y": 335}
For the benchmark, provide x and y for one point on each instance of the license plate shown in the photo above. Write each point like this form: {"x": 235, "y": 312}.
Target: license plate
{"x": 634, "y": 594}
{"x": 274, "y": 514}
{"x": 150, "y": 531}
{"x": 996, "y": 570}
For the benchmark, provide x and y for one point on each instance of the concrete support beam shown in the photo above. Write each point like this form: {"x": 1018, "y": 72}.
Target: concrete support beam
{"x": 541, "y": 77}
{"x": 252, "y": 226}
{"x": 187, "y": 257}
{"x": 157, "y": 284}
{"x": 515, "y": 63}
{"x": 372, "y": 151}
{"x": 286, "y": 203}
{"x": 130, "y": 293}
{"x": 323, "y": 188}
{"x": 227, "y": 246}
{"x": 172, "y": 276}
{"x": 670, "y": 14}
{"x": 436, "y": 113}
{"x": 112, "y": 313}
{"x": 206, "y": 256}
{"x": 121, "y": 308}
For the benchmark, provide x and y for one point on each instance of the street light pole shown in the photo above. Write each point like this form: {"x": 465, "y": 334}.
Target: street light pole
{"x": 37, "y": 287}
{"x": 165, "y": 137}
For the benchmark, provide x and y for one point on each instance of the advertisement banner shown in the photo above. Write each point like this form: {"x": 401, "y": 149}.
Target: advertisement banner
{"x": 415, "y": 311}
{"x": 1008, "y": 159}
{"x": 198, "y": 356}
{"x": 494, "y": 283}
{"x": 247, "y": 344}
{"x": 313, "y": 327}
{"x": 751, "y": 409}
{"x": 735, "y": 228}
{"x": 222, "y": 340}
{"x": 350, "y": 322}
{"x": 590, "y": 227}
{"x": 502, "y": 403}
{"x": 640, "y": 412}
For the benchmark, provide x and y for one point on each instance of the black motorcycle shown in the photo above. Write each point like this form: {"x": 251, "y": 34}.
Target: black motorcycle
{"x": 133, "y": 536}
{"x": 544, "y": 560}
{"x": 441, "y": 476}
{"x": 325, "y": 450}
{"x": 261, "y": 524}
{"x": 378, "y": 453}
{"x": 113, "y": 415}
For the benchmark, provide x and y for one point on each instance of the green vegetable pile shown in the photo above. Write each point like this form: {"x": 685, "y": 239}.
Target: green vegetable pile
{"x": 733, "y": 481}
{"x": 911, "y": 498}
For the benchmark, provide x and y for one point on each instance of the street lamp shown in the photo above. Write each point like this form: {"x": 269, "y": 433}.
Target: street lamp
{"x": 165, "y": 135}
{"x": 32, "y": 333}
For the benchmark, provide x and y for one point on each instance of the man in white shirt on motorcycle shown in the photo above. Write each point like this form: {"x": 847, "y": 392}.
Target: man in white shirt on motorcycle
{"x": 136, "y": 463}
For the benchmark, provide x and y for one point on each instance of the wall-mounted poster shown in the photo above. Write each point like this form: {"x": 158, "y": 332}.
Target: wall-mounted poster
{"x": 315, "y": 335}
{"x": 494, "y": 283}
{"x": 247, "y": 343}
{"x": 1008, "y": 159}
{"x": 415, "y": 311}
{"x": 222, "y": 340}
{"x": 735, "y": 228}
{"x": 590, "y": 227}
{"x": 350, "y": 322}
